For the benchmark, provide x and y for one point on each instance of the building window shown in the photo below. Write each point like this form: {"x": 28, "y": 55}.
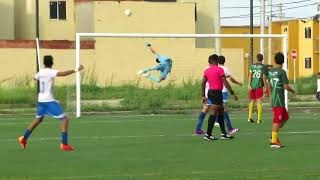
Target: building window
{"x": 307, "y": 32}
{"x": 307, "y": 63}
{"x": 58, "y": 10}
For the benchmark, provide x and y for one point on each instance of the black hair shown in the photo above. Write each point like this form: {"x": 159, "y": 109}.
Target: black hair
{"x": 279, "y": 58}
{"x": 157, "y": 60}
{"x": 48, "y": 61}
{"x": 213, "y": 59}
{"x": 222, "y": 59}
{"x": 260, "y": 57}
{"x": 318, "y": 73}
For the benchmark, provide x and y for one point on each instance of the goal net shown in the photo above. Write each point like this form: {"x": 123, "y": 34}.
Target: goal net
{"x": 110, "y": 80}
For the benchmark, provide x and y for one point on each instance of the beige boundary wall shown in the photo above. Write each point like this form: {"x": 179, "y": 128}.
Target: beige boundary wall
{"x": 116, "y": 61}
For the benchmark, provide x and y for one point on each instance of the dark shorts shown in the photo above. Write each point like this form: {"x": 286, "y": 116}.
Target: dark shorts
{"x": 215, "y": 96}
{"x": 318, "y": 96}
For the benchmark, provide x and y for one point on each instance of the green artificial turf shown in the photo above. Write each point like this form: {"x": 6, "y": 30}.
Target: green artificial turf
{"x": 159, "y": 147}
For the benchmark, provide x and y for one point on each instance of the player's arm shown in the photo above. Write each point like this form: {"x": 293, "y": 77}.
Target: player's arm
{"x": 289, "y": 88}
{"x": 203, "y": 88}
{"x": 235, "y": 81}
{"x": 249, "y": 80}
{"x": 151, "y": 48}
{"x": 68, "y": 72}
{"x": 227, "y": 85}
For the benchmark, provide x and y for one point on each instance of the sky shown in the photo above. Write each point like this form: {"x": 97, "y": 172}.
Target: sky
{"x": 291, "y": 9}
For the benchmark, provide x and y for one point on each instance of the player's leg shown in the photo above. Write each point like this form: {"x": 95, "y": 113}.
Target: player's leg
{"x": 201, "y": 117}
{"x": 231, "y": 129}
{"x": 214, "y": 109}
{"x": 259, "y": 94}
{"x": 280, "y": 116}
{"x": 23, "y": 139}
{"x": 57, "y": 112}
{"x": 41, "y": 108}
{"x": 153, "y": 68}
{"x": 251, "y": 105}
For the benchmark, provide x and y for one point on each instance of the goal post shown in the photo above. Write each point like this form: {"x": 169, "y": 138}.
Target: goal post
{"x": 137, "y": 35}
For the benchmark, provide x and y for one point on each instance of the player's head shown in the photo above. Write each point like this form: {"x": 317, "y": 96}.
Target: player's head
{"x": 259, "y": 57}
{"x": 213, "y": 59}
{"x": 157, "y": 60}
{"x": 222, "y": 60}
{"x": 279, "y": 58}
{"x": 48, "y": 61}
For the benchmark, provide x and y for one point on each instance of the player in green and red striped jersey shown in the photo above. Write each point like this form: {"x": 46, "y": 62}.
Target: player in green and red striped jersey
{"x": 278, "y": 83}
{"x": 256, "y": 86}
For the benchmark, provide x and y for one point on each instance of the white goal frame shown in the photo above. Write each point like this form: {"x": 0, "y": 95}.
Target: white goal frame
{"x": 135, "y": 35}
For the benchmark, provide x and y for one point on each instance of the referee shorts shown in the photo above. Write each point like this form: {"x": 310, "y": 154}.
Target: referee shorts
{"x": 215, "y": 96}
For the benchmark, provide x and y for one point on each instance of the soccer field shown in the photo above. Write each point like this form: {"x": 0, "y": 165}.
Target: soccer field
{"x": 159, "y": 147}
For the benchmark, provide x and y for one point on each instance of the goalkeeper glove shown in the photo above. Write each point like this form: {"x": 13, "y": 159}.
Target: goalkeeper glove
{"x": 148, "y": 45}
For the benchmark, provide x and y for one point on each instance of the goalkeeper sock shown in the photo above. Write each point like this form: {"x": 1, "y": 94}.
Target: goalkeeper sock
{"x": 202, "y": 115}
{"x": 250, "y": 110}
{"x": 274, "y": 137}
{"x": 259, "y": 107}
{"x": 153, "y": 78}
{"x": 64, "y": 138}
{"x": 27, "y": 134}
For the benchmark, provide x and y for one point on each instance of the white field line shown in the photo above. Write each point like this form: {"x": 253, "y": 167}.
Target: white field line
{"x": 151, "y": 136}
{"x": 88, "y": 121}
{"x": 106, "y": 116}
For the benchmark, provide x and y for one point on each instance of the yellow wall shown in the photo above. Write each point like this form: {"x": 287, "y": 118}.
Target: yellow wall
{"x": 305, "y": 49}
{"x": 205, "y": 13}
{"x": 24, "y": 63}
{"x": 49, "y": 29}
{"x": 242, "y": 43}
{"x": 84, "y": 17}
{"x": 7, "y": 19}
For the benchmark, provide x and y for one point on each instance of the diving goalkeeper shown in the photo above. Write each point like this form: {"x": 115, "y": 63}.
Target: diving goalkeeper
{"x": 164, "y": 66}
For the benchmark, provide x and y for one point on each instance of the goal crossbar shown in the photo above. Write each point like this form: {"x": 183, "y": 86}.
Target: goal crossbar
{"x": 137, "y": 35}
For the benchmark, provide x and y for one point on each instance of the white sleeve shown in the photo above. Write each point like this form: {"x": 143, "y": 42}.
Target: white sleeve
{"x": 53, "y": 73}
{"x": 227, "y": 72}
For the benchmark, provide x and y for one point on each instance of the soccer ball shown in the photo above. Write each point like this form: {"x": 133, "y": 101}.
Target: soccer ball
{"x": 127, "y": 12}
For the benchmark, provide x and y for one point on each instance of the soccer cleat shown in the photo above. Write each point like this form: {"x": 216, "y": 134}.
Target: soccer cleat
{"x": 234, "y": 131}
{"x": 226, "y": 137}
{"x": 209, "y": 138}
{"x": 250, "y": 120}
{"x": 23, "y": 142}
{"x": 198, "y": 132}
{"x": 276, "y": 145}
{"x": 140, "y": 72}
{"x": 259, "y": 121}
{"x": 216, "y": 124}
{"x": 66, "y": 147}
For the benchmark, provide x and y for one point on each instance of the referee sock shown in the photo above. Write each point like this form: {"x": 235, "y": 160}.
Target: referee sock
{"x": 202, "y": 115}
{"x": 64, "y": 138}
{"x": 27, "y": 134}
{"x": 250, "y": 110}
{"x": 211, "y": 121}
{"x": 274, "y": 137}
{"x": 227, "y": 120}
{"x": 259, "y": 107}
{"x": 221, "y": 123}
